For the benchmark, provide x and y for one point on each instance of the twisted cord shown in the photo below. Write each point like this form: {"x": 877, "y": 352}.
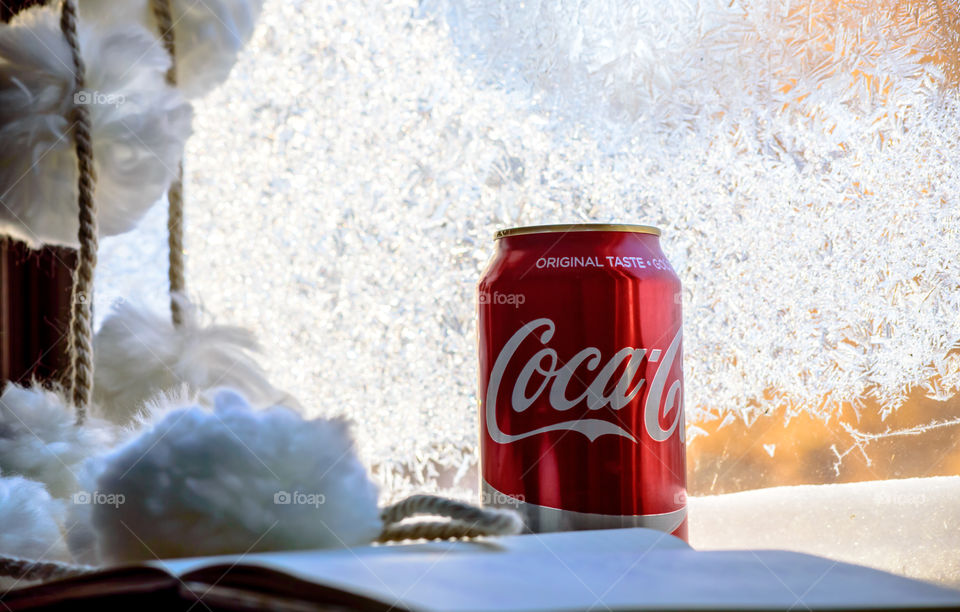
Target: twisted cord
{"x": 177, "y": 275}
{"x": 25, "y": 569}
{"x": 430, "y": 530}
{"x": 161, "y": 12}
{"x": 81, "y": 316}
{"x": 468, "y": 521}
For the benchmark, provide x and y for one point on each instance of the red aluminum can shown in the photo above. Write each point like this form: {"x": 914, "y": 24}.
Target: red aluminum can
{"x": 581, "y": 381}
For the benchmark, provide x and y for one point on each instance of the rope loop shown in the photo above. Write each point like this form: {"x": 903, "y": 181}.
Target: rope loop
{"x": 81, "y": 315}
{"x": 467, "y": 521}
{"x": 177, "y": 274}
{"x": 26, "y": 570}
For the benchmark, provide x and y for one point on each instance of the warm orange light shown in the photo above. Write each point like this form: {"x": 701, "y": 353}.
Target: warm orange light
{"x": 857, "y": 36}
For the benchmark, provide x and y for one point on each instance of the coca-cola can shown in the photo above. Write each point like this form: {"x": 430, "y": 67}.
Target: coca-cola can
{"x": 581, "y": 379}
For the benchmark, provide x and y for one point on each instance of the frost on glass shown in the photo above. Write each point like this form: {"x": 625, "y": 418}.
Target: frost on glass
{"x": 801, "y": 159}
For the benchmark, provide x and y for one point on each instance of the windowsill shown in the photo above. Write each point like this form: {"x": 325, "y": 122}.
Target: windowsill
{"x": 909, "y": 527}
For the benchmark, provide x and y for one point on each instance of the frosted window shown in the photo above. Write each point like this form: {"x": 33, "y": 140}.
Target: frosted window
{"x": 801, "y": 159}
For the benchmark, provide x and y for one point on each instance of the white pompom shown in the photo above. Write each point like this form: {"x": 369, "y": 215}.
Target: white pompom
{"x": 80, "y": 536}
{"x": 139, "y": 354}
{"x": 40, "y": 440}
{"x": 30, "y": 521}
{"x": 233, "y": 480}
{"x": 208, "y": 35}
{"x": 140, "y": 125}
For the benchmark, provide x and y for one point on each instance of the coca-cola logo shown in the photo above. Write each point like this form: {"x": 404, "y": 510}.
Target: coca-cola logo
{"x": 555, "y": 379}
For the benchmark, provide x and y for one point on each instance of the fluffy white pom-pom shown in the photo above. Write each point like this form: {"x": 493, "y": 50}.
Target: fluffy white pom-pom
{"x": 208, "y": 35}
{"x": 81, "y": 539}
{"x": 39, "y": 438}
{"x": 30, "y": 521}
{"x": 139, "y": 126}
{"x": 233, "y": 480}
{"x": 140, "y": 354}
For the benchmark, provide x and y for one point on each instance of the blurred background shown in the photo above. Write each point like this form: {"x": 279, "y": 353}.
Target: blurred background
{"x": 802, "y": 160}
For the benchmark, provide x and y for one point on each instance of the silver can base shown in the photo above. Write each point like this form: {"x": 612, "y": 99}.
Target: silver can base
{"x": 543, "y": 519}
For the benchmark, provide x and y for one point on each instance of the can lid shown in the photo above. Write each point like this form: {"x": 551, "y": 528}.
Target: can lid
{"x": 576, "y": 227}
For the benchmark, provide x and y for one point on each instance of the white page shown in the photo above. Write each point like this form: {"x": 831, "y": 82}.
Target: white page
{"x": 615, "y": 569}
{"x": 570, "y": 542}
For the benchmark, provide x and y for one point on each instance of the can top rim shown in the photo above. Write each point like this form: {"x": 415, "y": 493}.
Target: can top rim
{"x": 576, "y": 227}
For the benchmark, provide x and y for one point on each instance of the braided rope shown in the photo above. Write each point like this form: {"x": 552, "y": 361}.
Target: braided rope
{"x": 430, "y": 530}
{"x": 81, "y": 316}
{"x": 468, "y": 521}
{"x": 25, "y": 569}
{"x": 176, "y": 275}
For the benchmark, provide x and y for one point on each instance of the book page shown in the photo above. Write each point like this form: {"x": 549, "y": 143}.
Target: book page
{"x": 616, "y": 569}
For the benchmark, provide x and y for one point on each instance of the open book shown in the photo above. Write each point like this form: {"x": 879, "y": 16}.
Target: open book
{"x": 617, "y": 569}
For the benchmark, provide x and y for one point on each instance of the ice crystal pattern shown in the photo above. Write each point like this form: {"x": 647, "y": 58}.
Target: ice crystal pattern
{"x": 802, "y": 160}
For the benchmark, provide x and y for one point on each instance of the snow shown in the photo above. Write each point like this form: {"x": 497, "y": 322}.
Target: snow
{"x": 909, "y": 527}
